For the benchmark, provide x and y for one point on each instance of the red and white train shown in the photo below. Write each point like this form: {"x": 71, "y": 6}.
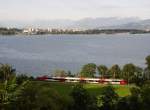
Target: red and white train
{"x": 83, "y": 80}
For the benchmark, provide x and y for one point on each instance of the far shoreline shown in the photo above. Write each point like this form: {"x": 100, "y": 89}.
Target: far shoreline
{"x": 22, "y": 35}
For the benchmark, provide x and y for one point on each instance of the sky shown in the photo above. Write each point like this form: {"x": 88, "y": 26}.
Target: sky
{"x": 27, "y": 10}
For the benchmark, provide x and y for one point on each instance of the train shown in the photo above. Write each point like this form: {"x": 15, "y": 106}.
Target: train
{"x": 83, "y": 80}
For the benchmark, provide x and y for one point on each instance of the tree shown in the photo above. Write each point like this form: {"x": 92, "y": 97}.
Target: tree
{"x": 69, "y": 74}
{"x": 59, "y": 73}
{"x": 134, "y": 100}
{"x": 88, "y": 70}
{"x": 102, "y": 69}
{"x": 138, "y": 78}
{"x": 115, "y": 71}
{"x": 7, "y": 84}
{"x": 6, "y": 71}
{"x": 138, "y": 100}
{"x": 33, "y": 96}
{"x": 128, "y": 72}
{"x": 145, "y": 95}
{"x": 138, "y": 71}
{"x": 122, "y": 104}
{"x": 22, "y": 77}
{"x": 107, "y": 99}
{"x": 7, "y": 88}
{"x": 148, "y": 61}
{"x": 82, "y": 99}
{"x": 147, "y": 69}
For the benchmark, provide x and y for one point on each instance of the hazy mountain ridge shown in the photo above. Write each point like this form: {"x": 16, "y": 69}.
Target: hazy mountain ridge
{"x": 87, "y": 23}
{"x": 145, "y": 24}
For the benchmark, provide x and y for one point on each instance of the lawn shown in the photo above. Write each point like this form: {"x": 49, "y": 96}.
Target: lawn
{"x": 94, "y": 89}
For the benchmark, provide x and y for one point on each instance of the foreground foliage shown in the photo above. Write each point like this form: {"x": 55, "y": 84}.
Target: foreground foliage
{"x": 24, "y": 93}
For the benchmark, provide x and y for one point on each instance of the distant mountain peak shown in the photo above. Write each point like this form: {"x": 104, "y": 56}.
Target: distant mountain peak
{"x": 86, "y": 23}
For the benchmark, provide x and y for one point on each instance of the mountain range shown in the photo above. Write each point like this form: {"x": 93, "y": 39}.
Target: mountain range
{"x": 86, "y": 23}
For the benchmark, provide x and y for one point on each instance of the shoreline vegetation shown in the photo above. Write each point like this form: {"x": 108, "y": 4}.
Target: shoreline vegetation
{"x": 22, "y": 92}
{"x": 38, "y": 31}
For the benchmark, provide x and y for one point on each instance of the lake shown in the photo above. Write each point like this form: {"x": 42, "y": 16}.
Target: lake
{"x": 43, "y": 54}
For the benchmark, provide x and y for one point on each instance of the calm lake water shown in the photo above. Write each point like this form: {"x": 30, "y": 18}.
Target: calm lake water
{"x": 44, "y": 54}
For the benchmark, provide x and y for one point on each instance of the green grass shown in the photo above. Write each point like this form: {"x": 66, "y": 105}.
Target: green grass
{"x": 94, "y": 89}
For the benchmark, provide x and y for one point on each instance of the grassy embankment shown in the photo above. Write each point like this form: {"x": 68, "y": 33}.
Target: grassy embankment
{"x": 94, "y": 89}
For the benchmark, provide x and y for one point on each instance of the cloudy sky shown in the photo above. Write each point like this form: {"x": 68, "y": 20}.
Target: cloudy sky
{"x": 72, "y": 9}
